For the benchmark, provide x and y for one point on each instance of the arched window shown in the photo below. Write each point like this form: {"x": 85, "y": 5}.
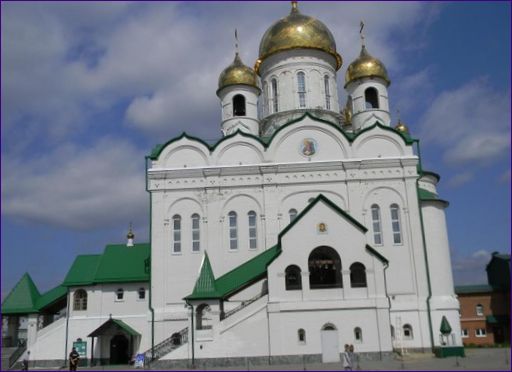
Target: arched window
{"x": 196, "y": 233}
{"x": 395, "y": 223}
{"x": 176, "y": 227}
{"x": 329, "y": 327}
{"x": 301, "y": 89}
{"x": 358, "y": 335}
{"x": 253, "y": 239}
{"x": 479, "y": 310}
{"x": 292, "y": 213}
{"x": 233, "y": 230}
{"x": 324, "y": 268}
{"x": 203, "y": 317}
{"x": 142, "y": 293}
{"x": 407, "y": 329}
{"x": 392, "y": 332}
{"x": 357, "y": 275}
{"x": 80, "y": 300}
{"x": 371, "y": 97}
{"x": 275, "y": 96}
{"x": 266, "y": 95}
{"x": 377, "y": 230}
{"x": 293, "y": 278}
{"x": 327, "y": 90}
{"x": 302, "y": 335}
{"x": 239, "y": 105}
{"x": 119, "y": 294}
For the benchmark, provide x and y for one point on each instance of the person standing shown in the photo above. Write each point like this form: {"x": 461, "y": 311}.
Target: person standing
{"x": 347, "y": 360}
{"x": 74, "y": 357}
{"x": 353, "y": 357}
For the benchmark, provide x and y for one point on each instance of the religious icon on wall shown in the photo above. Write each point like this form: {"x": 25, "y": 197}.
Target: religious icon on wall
{"x": 308, "y": 147}
{"x": 322, "y": 227}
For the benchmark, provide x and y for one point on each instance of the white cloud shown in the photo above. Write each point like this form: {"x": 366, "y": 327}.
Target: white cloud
{"x": 471, "y": 123}
{"x": 460, "y": 179}
{"x": 77, "y": 187}
{"x": 471, "y": 269}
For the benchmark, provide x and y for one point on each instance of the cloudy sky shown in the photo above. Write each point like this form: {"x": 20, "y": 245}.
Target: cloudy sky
{"x": 89, "y": 88}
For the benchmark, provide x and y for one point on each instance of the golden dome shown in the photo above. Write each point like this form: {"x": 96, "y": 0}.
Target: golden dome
{"x": 366, "y": 66}
{"x": 297, "y": 31}
{"x": 401, "y": 127}
{"x": 238, "y": 73}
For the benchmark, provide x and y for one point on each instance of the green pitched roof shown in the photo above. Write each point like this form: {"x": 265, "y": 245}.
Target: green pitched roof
{"x": 115, "y": 324}
{"x": 82, "y": 270}
{"x": 120, "y": 263}
{"x": 50, "y": 297}
{"x": 234, "y": 280}
{"x": 497, "y": 319}
{"x": 478, "y": 288}
{"x": 22, "y": 298}
{"x": 445, "y": 326}
{"x": 205, "y": 284}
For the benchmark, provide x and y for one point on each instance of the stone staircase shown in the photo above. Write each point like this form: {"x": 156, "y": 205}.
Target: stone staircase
{"x": 166, "y": 346}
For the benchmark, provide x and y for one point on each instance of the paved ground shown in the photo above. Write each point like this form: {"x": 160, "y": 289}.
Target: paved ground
{"x": 476, "y": 360}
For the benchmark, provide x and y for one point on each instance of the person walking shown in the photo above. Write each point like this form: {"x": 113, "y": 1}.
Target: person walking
{"x": 74, "y": 357}
{"x": 346, "y": 359}
{"x": 353, "y": 357}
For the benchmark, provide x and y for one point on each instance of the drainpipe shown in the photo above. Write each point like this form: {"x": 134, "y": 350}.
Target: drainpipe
{"x": 67, "y": 329}
{"x": 150, "y": 304}
{"x": 424, "y": 248}
{"x": 386, "y": 265}
{"x": 192, "y": 333}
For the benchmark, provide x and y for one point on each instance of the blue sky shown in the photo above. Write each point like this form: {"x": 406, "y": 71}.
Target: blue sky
{"x": 89, "y": 88}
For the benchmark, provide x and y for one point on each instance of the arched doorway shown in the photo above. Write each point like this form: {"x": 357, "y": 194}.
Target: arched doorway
{"x": 330, "y": 349}
{"x": 119, "y": 350}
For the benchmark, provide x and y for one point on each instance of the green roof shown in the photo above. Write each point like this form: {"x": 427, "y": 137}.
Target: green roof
{"x": 234, "y": 280}
{"x": 478, "y": 288}
{"x": 205, "y": 284}
{"x": 22, "y": 298}
{"x": 50, "y": 297}
{"x": 120, "y": 263}
{"x": 113, "y": 324}
{"x": 445, "y": 326}
{"x": 497, "y": 319}
{"x": 117, "y": 264}
{"x": 426, "y": 195}
{"x": 82, "y": 270}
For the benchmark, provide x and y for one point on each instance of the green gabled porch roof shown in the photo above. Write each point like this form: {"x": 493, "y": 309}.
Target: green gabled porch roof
{"x": 23, "y": 297}
{"x": 235, "y": 280}
{"x": 50, "y": 297}
{"x": 116, "y": 324}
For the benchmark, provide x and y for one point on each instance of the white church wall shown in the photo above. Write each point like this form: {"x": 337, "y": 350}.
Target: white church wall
{"x": 239, "y": 152}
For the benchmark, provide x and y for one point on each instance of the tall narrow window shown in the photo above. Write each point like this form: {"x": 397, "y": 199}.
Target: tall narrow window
{"x": 358, "y": 335}
{"x": 80, "y": 300}
{"x": 395, "y": 224}
{"x": 327, "y": 93}
{"x": 238, "y": 105}
{"x": 292, "y": 213}
{"x": 293, "y": 278}
{"x": 301, "y": 89}
{"x": 275, "y": 101}
{"x": 266, "y": 95}
{"x": 407, "y": 331}
{"x": 302, "y": 335}
{"x": 357, "y": 275}
{"x": 176, "y": 227}
{"x": 371, "y": 98}
{"x": 479, "y": 310}
{"x": 233, "y": 230}
{"x": 253, "y": 240}
{"x": 377, "y": 231}
{"x": 142, "y": 293}
{"x": 196, "y": 234}
{"x": 119, "y": 294}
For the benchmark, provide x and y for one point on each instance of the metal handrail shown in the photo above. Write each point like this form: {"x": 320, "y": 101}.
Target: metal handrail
{"x": 166, "y": 346}
{"x": 17, "y": 353}
{"x": 244, "y": 304}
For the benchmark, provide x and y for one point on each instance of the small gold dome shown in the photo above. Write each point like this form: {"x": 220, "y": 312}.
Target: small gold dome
{"x": 366, "y": 66}
{"x": 238, "y": 73}
{"x": 401, "y": 127}
{"x": 297, "y": 31}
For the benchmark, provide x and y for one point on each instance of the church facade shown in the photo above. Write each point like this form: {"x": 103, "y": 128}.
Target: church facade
{"x": 306, "y": 227}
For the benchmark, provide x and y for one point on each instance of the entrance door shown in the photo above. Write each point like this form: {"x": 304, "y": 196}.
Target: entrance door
{"x": 330, "y": 349}
{"x": 119, "y": 350}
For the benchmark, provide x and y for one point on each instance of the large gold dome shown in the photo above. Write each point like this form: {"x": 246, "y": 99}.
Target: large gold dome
{"x": 297, "y": 31}
{"x": 366, "y": 66}
{"x": 237, "y": 73}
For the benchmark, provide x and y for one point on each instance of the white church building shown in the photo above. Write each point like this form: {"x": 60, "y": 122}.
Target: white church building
{"x": 307, "y": 226}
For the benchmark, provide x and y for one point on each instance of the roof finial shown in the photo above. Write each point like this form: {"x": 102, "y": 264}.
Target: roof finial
{"x": 130, "y": 236}
{"x": 398, "y": 115}
{"x": 295, "y": 7}
{"x": 362, "y": 35}
{"x": 237, "y": 51}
